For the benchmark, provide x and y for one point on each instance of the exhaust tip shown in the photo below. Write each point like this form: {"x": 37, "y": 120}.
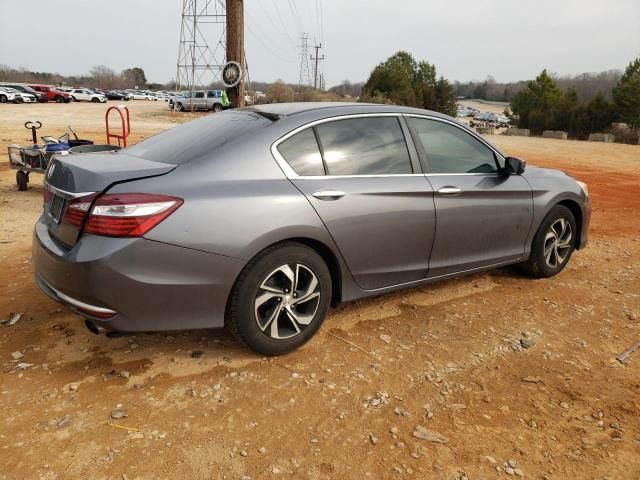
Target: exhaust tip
{"x": 92, "y": 327}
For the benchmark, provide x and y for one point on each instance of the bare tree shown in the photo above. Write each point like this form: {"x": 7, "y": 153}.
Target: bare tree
{"x": 103, "y": 76}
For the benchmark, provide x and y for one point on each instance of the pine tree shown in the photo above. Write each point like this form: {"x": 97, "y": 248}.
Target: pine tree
{"x": 626, "y": 95}
{"x": 403, "y": 81}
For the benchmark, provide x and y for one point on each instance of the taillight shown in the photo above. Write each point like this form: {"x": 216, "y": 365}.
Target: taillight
{"x": 128, "y": 214}
{"x": 77, "y": 210}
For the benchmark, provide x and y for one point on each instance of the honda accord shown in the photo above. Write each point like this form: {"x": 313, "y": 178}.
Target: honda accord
{"x": 260, "y": 219}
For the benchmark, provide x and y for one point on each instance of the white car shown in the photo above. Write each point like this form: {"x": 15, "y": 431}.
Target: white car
{"x": 9, "y": 95}
{"x": 142, "y": 96}
{"x": 86, "y": 95}
{"x": 21, "y": 97}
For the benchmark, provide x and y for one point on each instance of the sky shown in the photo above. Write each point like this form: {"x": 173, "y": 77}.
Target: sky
{"x": 465, "y": 39}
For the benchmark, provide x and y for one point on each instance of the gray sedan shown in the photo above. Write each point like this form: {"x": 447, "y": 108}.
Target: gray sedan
{"x": 262, "y": 218}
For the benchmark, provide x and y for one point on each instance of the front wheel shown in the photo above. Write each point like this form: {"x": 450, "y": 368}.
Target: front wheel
{"x": 60, "y": 99}
{"x": 179, "y": 107}
{"x": 95, "y": 100}
{"x": 553, "y": 244}
{"x": 280, "y": 299}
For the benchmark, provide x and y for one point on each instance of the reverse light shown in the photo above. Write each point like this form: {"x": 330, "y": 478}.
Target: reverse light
{"x": 128, "y": 214}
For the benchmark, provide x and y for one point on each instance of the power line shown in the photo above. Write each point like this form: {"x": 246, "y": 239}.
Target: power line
{"x": 277, "y": 46}
{"x": 276, "y": 28}
{"x": 294, "y": 14}
{"x": 282, "y": 22}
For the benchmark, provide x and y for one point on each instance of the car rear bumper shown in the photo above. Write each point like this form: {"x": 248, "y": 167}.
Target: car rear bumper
{"x": 149, "y": 285}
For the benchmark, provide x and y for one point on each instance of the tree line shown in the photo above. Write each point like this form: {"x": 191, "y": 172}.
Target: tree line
{"x": 586, "y": 85}
{"x": 544, "y": 105}
{"x": 99, "y": 76}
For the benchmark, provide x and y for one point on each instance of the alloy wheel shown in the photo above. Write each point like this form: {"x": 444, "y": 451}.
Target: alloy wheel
{"x": 557, "y": 243}
{"x": 287, "y": 301}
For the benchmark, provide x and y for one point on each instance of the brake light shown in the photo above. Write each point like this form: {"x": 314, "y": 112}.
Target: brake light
{"x": 77, "y": 210}
{"x": 128, "y": 214}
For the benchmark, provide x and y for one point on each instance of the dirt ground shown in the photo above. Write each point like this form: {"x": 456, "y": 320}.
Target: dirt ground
{"x": 449, "y": 358}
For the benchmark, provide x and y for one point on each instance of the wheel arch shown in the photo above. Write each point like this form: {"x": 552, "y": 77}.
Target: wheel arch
{"x": 577, "y": 214}
{"x": 325, "y": 252}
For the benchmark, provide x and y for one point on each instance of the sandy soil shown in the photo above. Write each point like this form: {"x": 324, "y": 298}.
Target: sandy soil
{"x": 448, "y": 357}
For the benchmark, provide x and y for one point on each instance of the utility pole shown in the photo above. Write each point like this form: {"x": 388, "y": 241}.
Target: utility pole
{"x": 235, "y": 47}
{"x": 315, "y": 71}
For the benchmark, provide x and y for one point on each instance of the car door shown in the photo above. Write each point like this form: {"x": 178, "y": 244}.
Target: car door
{"x": 483, "y": 215}
{"x": 363, "y": 181}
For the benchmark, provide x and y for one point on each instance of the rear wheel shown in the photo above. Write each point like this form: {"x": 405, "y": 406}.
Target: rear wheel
{"x": 3, "y": 99}
{"x": 95, "y": 100}
{"x": 553, "y": 244}
{"x": 280, "y": 299}
{"x": 179, "y": 107}
{"x": 22, "y": 179}
{"x": 216, "y": 107}
{"x": 60, "y": 99}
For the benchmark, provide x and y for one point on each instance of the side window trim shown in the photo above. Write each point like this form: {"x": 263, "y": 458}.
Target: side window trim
{"x": 497, "y": 156}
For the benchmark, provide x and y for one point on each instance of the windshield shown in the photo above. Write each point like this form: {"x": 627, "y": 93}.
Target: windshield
{"x": 191, "y": 140}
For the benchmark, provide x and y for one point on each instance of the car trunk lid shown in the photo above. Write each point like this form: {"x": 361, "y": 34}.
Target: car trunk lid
{"x": 79, "y": 179}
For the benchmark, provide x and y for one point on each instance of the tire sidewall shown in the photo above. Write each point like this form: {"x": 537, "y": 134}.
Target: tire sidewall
{"x": 245, "y": 293}
{"x": 557, "y": 212}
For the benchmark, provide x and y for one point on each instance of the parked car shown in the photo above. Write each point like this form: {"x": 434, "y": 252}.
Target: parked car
{"x": 40, "y": 97}
{"x": 208, "y": 100}
{"x": 115, "y": 95}
{"x": 9, "y": 95}
{"x": 86, "y": 95}
{"x": 18, "y": 96}
{"x": 141, "y": 96}
{"x": 52, "y": 93}
{"x": 242, "y": 219}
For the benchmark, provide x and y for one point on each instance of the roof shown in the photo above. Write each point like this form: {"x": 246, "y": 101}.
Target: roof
{"x": 281, "y": 110}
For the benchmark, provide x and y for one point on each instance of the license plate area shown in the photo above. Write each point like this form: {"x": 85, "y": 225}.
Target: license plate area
{"x": 56, "y": 207}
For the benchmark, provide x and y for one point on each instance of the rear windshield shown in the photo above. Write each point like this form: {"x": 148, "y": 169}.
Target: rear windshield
{"x": 191, "y": 140}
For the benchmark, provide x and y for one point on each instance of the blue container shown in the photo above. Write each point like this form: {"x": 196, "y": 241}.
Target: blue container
{"x": 57, "y": 147}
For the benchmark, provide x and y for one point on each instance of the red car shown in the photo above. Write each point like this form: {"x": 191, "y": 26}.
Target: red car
{"x": 52, "y": 94}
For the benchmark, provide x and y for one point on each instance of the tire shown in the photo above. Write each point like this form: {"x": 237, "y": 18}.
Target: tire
{"x": 179, "y": 107}
{"x": 22, "y": 179}
{"x": 216, "y": 107}
{"x": 264, "y": 319}
{"x": 60, "y": 99}
{"x": 95, "y": 100}
{"x": 553, "y": 244}
{"x": 3, "y": 99}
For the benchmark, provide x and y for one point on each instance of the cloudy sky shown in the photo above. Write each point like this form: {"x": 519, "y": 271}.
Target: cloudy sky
{"x": 465, "y": 39}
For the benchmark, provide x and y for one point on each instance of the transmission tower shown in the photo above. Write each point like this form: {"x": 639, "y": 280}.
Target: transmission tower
{"x": 199, "y": 62}
{"x": 305, "y": 76}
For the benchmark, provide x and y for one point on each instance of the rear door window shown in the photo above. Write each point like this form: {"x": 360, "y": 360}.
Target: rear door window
{"x": 364, "y": 146}
{"x": 302, "y": 153}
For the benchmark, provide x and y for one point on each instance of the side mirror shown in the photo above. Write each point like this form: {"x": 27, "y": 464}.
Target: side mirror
{"x": 514, "y": 165}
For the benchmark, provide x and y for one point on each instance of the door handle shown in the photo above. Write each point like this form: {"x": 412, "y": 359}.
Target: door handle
{"x": 328, "y": 194}
{"x": 450, "y": 190}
